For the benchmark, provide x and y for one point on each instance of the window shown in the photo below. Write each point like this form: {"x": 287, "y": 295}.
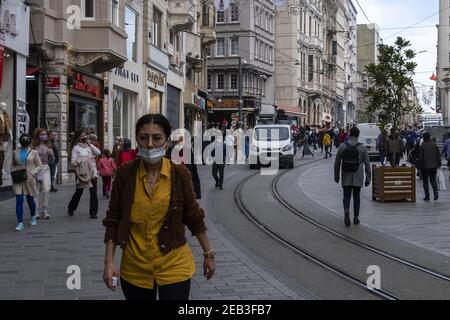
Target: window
{"x": 263, "y": 87}
{"x": 122, "y": 107}
{"x": 87, "y": 9}
{"x": 234, "y": 46}
{"x": 220, "y": 17}
{"x": 205, "y": 15}
{"x": 267, "y": 21}
{"x": 209, "y": 82}
{"x": 310, "y": 68}
{"x": 156, "y": 32}
{"x": 234, "y": 81}
{"x": 220, "y": 81}
{"x": 175, "y": 40}
{"x": 115, "y": 12}
{"x": 234, "y": 12}
{"x": 300, "y": 22}
{"x": 220, "y": 47}
{"x": 261, "y": 51}
{"x": 256, "y": 15}
{"x": 131, "y": 29}
{"x": 208, "y": 51}
{"x": 270, "y": 54}
{"x": 256, "y": 48}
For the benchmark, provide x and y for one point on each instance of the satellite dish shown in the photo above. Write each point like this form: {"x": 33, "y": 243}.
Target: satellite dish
{"x": 221, "y": 5}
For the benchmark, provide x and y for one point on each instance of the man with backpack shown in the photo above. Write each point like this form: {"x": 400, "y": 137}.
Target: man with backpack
{"x": 350, "y": 159}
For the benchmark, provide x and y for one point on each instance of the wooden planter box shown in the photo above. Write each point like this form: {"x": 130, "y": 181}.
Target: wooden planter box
{"x": 394, "y": 184}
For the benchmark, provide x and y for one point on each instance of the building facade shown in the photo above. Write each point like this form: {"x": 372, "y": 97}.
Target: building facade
{"x": 14, "y": 51}
{"x": 368, "y": 40}
{"x": 71, "y": 57}
{"x": 351, "y": 75}
{"x": 443, "y": 62}
{"x": 241, "y": 64}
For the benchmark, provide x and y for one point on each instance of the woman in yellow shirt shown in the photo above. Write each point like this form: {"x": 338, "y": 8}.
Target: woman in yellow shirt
{"x": 152, "y": 200}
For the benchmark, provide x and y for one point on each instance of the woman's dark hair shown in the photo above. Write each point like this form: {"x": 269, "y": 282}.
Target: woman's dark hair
{"x": 426, "y": 136}
{"x": 76, "y": 137}
{"x": 126, "y": 144}
{"x": 158, "y": 119}
{"x": 25, "y": 135}
{"x": 107, "y": 153}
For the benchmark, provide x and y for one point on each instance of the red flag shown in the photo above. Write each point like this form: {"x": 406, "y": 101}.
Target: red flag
{"x": 433, "y": 77}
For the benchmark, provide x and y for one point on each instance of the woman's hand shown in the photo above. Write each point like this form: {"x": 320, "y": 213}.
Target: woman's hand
{"x": 209, "y": 266}
{"x": 109, "y": 273}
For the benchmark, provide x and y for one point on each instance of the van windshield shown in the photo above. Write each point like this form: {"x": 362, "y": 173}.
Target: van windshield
{"x": 272, "y": 134}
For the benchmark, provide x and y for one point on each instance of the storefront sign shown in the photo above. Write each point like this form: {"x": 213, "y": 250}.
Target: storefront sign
{"x": 86, "y": 84}
{"x": 124, "y": 73}
{"x": 8, "y": 22}
{"x": 22, "y": 117}
{"x": 198, "y": 101}
{"x": 52, "y": 82}
{"x": 229, "y": 103}
{"x": 156, "y": 78}
{"x": 13, "y": 23}
{"x": 326, "y": 117}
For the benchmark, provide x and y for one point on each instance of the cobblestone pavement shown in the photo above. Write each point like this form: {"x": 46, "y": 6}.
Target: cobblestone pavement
{"x": 33, "y": 262}
{"x": 424, "y": 224}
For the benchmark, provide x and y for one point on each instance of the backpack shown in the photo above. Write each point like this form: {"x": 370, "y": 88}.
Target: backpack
{"x": 350, "y": 158}
{"x": 326, "y": 139}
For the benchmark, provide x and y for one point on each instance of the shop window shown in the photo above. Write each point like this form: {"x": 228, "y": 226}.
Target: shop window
{"x": 122, "y": 106}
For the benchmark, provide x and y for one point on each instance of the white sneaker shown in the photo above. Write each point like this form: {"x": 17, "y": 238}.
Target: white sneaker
{"x": 44, "y": 215}
{"x": 20, "y": 227}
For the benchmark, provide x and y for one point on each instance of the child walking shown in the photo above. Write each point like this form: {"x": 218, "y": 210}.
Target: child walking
{"x": 107, "y": 169}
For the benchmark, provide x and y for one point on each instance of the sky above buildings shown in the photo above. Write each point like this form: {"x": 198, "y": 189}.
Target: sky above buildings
{"x": 414, "y": 20}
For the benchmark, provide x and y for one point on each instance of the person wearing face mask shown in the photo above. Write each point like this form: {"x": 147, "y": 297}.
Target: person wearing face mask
{"x": 152, "y": 200}
{"x": 44, "y": 148}
{"x": 25, "y": 159}
{"x": 84, "y": 163}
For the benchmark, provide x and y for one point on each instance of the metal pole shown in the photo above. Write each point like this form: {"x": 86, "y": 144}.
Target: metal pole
{"x": 240, "y": 91}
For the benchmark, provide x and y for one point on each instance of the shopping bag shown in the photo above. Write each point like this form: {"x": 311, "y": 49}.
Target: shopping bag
{"x": 441, "y": 181}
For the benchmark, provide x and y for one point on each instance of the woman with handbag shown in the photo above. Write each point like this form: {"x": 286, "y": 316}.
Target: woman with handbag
{"x": 44, "y": 148}
{"x": 25, "y": 164}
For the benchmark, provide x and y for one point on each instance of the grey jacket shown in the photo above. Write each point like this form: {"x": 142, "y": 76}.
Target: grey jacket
{"x": 353, "y": 179}
{"x": 429, "y": 156}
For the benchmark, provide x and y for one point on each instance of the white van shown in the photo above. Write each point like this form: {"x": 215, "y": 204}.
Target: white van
{"x": 368, "y": 135}
{"x": 271, "y": 141}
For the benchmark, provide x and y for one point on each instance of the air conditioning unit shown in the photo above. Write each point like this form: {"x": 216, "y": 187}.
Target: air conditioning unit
{"x": 175, "y": 59}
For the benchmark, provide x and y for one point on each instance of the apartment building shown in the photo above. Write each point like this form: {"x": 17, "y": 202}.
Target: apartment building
{"x": 241, "y": 64}
{"x": 350, "y": 64}
{"x": 443, "y": 62}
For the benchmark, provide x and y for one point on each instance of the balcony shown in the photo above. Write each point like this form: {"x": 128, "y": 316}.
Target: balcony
{"x": 158, "y": 58}
{"x": 248, "y": 93}
{"x": 208, "y": 27}
{"x": 313, "y": 87}
{"x": 332, "y": 25}
{"x": 332, "y": 60}
{"x": 193, "y": 47}
{"x": 311, "y": 42}
{"x": 182, "y": 14}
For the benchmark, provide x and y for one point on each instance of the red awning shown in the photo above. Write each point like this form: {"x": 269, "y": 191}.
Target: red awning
{"x": 290, "y": 109}
{"x": 32, "y": 70}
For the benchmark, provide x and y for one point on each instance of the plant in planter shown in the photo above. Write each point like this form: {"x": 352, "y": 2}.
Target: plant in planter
{"x": 390, "y": 80}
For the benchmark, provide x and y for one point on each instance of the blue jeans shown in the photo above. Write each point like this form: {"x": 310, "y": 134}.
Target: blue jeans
{"x": 382, "y": 157}
{"x": 19, "y": 206}
{"x": 52, "y": 173}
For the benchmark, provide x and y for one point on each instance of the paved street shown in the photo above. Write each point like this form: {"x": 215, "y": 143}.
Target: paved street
{"x": 34, "y": 262}
{"x": 424, "y": 224}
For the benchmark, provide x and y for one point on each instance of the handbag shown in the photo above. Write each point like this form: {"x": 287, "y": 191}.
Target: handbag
{"x": 20, "y": 175}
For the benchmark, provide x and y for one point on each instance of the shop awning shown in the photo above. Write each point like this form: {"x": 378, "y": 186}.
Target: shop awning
{"x": 32, "y": 70}
{"x": 290, "y": 109}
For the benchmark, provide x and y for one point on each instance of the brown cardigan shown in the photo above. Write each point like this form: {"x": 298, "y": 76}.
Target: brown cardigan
{"x": 183, "y": 208}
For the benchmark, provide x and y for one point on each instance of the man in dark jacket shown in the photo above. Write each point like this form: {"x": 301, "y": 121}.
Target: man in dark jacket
{"x": 54, "y": 164}
{"x": 218, "y": 165}
{"x": 429, "y": 162}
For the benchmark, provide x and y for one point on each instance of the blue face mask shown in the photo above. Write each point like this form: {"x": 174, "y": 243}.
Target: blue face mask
{"x": 152, "y": 156}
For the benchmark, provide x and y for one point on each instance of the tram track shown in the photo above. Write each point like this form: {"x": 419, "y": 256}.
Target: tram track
{"x": 314, "y": 258}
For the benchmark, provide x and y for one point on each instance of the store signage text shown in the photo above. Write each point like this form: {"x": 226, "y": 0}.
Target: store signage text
{"x": 124, "y": 73}
{"x": 156, "y": 78}
{"x": 8, "y": 22}
{"x": 198, "y": 101}
{"x": 52, "y": 82}
{"x": 80, "y": 85}
{"x": 229, "y": 103}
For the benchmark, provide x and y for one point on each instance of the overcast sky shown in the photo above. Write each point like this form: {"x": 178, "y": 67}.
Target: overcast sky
{"x": 401, "y": 14}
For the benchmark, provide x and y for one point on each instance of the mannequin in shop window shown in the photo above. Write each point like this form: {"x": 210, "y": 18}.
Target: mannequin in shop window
{"x": 5, "y": 136}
